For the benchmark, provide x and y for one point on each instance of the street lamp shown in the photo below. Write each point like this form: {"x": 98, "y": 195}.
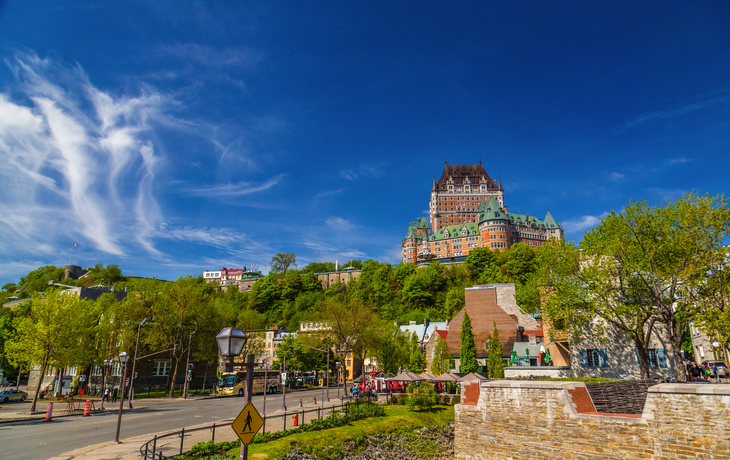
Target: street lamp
{"x": 123, "y": 356}
{"x": 134, "y": 363}
{"x": 108, "y": 363}
{"x": 230, "y": 344}
{"x": 231, "y": 341}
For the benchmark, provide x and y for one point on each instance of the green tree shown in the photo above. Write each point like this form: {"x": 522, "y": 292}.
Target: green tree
{"x": 416, "y": 362}
{"x": 441, "y": 363}
{"x": 281, "y": 262}
{"x": 455, "y": 301}
{"x": 495, "y": 364}
{"x": 468, "y": 351}
{"x": 49, "y": 336}
{"x": 478, "y": 260}
{"x": 393, "y": 350}
{"x": 521, "y": 262}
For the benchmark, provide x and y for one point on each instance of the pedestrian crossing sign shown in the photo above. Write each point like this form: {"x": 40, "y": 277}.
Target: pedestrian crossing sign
{"x": 247, "y": 424}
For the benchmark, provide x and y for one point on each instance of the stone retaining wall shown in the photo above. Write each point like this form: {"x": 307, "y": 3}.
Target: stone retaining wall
{"x": 556, "y": 420}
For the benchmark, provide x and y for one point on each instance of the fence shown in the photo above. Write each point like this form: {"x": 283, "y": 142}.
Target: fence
{"x": 149, "y": 450}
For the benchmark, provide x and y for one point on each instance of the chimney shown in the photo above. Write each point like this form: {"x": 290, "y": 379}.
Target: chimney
{"x": 411, "y": 323}
{"x": 426, "y": 322}
{"x": 336, "y": 266}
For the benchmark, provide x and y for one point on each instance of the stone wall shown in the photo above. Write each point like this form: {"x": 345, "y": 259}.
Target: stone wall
{"x": 538, "y": 371}
{"x": 555, "y": 420}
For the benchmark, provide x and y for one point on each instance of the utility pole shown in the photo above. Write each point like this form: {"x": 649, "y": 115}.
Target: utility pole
{"x": 187, "y": 366}
{"x": 134, "y": 363}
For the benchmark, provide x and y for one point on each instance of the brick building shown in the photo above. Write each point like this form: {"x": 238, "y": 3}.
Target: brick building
{"x": 467, "y": 211}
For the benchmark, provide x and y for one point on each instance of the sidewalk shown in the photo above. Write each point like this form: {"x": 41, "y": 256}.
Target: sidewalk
{"x": 129, "y": 449}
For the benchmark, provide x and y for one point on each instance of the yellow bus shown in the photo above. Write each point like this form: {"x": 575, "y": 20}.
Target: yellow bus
{"x": 234, "y": 383}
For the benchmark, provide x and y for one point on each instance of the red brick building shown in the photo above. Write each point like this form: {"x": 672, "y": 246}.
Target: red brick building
{"x": 467, "y": 210}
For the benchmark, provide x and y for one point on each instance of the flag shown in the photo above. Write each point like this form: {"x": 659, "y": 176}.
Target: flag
{"x": 74, "y": 244}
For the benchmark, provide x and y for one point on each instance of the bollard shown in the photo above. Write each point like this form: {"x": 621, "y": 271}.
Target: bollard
{"x": 87, "y": 408}
{"x": 49, "y": 412}
{"x": 295, "y": 419}
{"x": 300, "y": 403}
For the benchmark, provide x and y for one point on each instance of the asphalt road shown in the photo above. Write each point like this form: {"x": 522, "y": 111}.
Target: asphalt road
{"x": 40, "y": 440}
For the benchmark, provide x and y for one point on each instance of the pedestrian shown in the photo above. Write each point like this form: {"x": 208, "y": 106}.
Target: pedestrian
{"x": 106, "y": 395}
{"x": 114, "y": 395}
{"x": 695, "y": 372}
{"x": 689, "y": 371}
{"x": 717, "y": 374}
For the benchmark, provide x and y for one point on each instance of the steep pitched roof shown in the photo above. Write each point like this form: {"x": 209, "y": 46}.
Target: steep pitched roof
{"x": 458, "y": 173}
{"x": 493, "y": 211}
{"x": 550, "y": 221}
{"x": 454, "y": 231}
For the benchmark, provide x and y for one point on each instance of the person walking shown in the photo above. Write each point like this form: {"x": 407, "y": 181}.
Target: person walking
{"x": 114, "y": 395}
{"x": 717, "y": 374}
{"x": 106, "y": 395}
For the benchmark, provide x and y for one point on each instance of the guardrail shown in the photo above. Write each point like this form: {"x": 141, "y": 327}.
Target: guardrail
{"x": 149, "y": 450}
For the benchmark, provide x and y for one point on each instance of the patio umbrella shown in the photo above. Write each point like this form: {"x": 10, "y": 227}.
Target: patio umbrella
{"x": 547, "y": 356}
{"x": 514, "y": 359}
{"x": 527, "y": 356}
{"x": 426, "y": 376}
{"x": 446, "y": 378}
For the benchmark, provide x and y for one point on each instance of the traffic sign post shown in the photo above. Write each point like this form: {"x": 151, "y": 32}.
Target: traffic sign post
{"x": 249, "y": 421}
{"x": 247, "y": 424}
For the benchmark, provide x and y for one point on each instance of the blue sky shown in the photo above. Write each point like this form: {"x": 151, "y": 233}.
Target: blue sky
{"x": 173, "y": 137}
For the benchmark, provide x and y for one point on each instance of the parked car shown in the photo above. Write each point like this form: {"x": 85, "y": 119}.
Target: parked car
{"x": 721, "y": 368}
{"x": 13, "y": 395}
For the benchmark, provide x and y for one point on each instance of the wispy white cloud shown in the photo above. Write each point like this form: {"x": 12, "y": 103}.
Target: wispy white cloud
{"x": 679, "y": 161}
{"x": 614, "y": 176}
{"x": 71, "y": 152}
{"x": 582, "y": 224}
{"x": 209, "y": 56}
{"x": 338, "y": 223}
{"x": 329, "y": 193}
{"x": 718, "y": 98}
{"x": 362, "y": 171}
{"x": 239, "y": 189}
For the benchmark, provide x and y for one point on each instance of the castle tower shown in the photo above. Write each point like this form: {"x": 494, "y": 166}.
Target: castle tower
{"x": 456, "y": 196}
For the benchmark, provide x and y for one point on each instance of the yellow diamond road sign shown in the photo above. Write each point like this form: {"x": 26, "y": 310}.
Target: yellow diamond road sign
{"x": 247, "y": 424}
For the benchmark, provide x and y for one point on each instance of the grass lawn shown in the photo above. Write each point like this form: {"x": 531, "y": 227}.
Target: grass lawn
{"x": 396, "y": 418}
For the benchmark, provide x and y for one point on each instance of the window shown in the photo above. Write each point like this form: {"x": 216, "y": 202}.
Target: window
{"x": 653, "y": 359}
{"x": 116, "y": 369}
{"x": 161, "y": 368}
{"x": 657, "y": 357}
{"x": 593, "y": 358}
{"x": 72, "y": 371}
{"x": 96, "y": 370}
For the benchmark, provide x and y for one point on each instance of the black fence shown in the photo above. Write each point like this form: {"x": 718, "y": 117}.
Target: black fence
{"x": 149, "y": 450}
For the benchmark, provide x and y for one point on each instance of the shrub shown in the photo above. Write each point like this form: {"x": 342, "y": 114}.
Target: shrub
{"x": 455, "y": 399}
{"x": 444, "y": 400}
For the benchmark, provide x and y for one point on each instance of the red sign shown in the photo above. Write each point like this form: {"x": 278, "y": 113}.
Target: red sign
{"x": 126, "y": 382}
{"x": 81, "y": 392}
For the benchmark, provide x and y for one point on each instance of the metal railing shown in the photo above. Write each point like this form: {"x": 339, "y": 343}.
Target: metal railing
{"x": 149, "y": 450}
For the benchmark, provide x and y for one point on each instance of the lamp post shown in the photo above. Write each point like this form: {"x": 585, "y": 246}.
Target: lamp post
{"x": 188, "y": 375}
{"x": 123, "y": 356}
{"x": 338, "y": 379}
{"x": 230, "y": 344}
{"x": 134, "y": 363}
{"x": 105, "y": 370}
{"x": 283, "y": 374}
{"x": 266, "y": 387}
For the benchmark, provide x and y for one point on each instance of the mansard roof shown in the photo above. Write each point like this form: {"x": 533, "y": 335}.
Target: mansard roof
{"x": 420, "y": 223}
{"x": 493, "y": 211}
{"x": 454, "y": 231}
{"x": 459, "y": 173}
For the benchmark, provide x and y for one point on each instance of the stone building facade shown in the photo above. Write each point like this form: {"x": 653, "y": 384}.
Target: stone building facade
{"x": 467, "y": 211}
{"x": 523, "y": 420}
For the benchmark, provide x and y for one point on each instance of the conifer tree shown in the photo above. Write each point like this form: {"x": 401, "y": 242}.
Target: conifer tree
{"x": 468, "y": 354}
{"x": 495, "y": 365}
